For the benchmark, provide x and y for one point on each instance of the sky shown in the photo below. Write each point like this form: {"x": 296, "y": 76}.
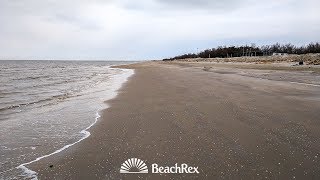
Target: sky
{"x": 148, "y": 29}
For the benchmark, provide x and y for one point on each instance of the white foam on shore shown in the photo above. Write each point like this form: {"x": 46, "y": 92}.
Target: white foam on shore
{"x": 307, "y": 84}
{"x": 28, "y": 173}
{"x": 32, "y": 174}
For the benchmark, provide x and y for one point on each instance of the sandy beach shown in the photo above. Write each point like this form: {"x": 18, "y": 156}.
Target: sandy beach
{"x": 245, "y": 122}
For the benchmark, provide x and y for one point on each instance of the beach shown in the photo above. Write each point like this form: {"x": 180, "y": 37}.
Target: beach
{"x": 47, "y": 106}
{"x": 231, "y": 122}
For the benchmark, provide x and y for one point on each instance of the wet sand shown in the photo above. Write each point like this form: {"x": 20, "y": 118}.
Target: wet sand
{"x": 233, "y": 123}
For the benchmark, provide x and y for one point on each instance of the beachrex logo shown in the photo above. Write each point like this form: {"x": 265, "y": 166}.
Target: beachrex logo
{"x": 176, "y": 169}
{"x": 135, "y": 165}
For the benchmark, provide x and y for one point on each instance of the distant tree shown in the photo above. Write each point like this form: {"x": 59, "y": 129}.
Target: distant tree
{"x": 252, "y": 50}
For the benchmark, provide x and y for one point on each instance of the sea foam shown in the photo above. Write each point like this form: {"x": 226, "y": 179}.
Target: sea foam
{"x": 120, "y": 80}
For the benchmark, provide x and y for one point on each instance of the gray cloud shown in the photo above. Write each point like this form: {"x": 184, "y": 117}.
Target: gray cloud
{"x": 126, "y": 29}
{"x": 204, "y": 4}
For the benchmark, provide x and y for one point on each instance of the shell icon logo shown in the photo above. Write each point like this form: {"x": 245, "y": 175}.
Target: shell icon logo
{"x": 134, "y": 165}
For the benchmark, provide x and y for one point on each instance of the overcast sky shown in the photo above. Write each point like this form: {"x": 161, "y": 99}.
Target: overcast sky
{"x": 148, "y": 29}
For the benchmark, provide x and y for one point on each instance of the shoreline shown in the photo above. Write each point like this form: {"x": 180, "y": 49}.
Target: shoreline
{"x": 29, "y": 173}
{"x": 161, "y": 116}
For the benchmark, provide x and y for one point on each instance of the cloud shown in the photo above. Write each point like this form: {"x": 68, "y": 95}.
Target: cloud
{"x": 147, "y": 29}
{"x": 213, "y": 5}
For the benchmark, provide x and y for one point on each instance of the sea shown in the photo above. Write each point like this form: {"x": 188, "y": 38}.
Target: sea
{"x": 48, "y": 106}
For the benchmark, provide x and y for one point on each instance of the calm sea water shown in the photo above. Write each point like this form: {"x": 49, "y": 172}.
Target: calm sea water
{"x": 47, "y": 105}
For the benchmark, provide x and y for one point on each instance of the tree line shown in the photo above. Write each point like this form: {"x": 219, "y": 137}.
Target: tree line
{"x": 250, "y": 50}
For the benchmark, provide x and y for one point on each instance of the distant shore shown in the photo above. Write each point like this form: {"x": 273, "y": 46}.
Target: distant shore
{"x": 232, "y": 121}
{"x": 307, "y": 59}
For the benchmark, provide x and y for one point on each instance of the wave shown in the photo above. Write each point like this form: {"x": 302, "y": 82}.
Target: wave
{"x": 31, "y": 77}
{"x": 4, "y": 94}
{"x": 55, "y": 97}
{"x": 28, "y": 173}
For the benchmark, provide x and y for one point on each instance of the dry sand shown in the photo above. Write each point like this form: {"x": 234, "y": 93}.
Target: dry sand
{"x": 308, "y": 59}
{"x": 233, "y": 123}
